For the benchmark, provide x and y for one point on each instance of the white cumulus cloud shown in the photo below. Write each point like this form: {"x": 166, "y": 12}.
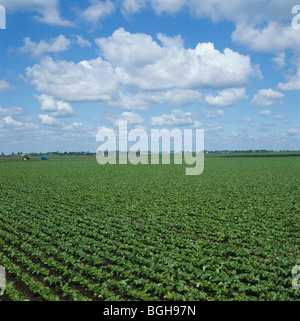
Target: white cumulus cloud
{"x": 60, "y": 43}
{"x": 11, "y": 111}
{"x": 4, "y": 85}
{"x": 131, "y": 118}
{"x": 20, "y": 125}
{"x": 293, "y": 131}
{"x": 97, "y": 10}
{"x": 92, "y": 80}
{"x": 48, "y": 11}
{"x": 266, "y": 112}
{"x": 133, "y": 6}
{"x": 55, "y": 108}
{"x": 147, "y": 65}
{"x": 293, "y": 82}
{"x": 134, "y": 71}
{"x": 176, "y": 118}
{"x": 227, "y": 97}
{"x": 266, "y": 97}
{"x": 82, "y": 42}
{"x": 48, "y": 120}
{"x": 271, "y": 38}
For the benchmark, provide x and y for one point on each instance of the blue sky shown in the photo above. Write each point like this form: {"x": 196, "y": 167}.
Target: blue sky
{"x": 70, "y": 68}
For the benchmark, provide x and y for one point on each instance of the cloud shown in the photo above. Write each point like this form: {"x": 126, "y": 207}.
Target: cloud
{"x": 130, "y": 51}
{"x": 78, "y": 127}
{"x": 213, "y": 128}
{"x": 248, "y": 120}
{"x": 220, "y": 113}
{"x": 54, "y": 45}
{"x": 266, "y": 97}
{"x": 169, "y": 6}
{"x": 217, "y": 10}
{"x": 267, "y": 124}
{"x": 11, "y": 111}
{"x": 60, "y": 43}
{"x": 131, "y": 118}
{"x": 146, "y": 65}
{"x": 214, "y": 114}
{"x": 271, "y": 38}
{"x": 82, "y": 42}
{"x": 177, "y": 97}
{"x": 11, "y": 123}
{"x": 92, "y": 80}
{"x": 260, "y": 25}
{"x": 48, "y": 10}
{"x": 51, "y": 16}
{"x": 48, "y": 120}
{"x": 293, "y": 131}
{"x": 142, "y": 99}
{"x": 98, "y": 10}
{"x": 124, "y": 100}
{"x": 227, "y": 97}
{"x": 293, "y": 83}
{"x": 197, "y": 124}
{"x": 55, "y": 108}
{"x": 176, "y": 118}
{"x": 170, "y": 42}
{"x": 134, "y": 71}
{"x": 4, "y": 85}
{"x": 78, "y": 130}
{"x": 159, "y": 6}
{"x": 266, "y": 112}
{"x": 173, "y": 97}
{"x": 252, "y": 137}
{"x": 132, "y": 6}
{"x": 279, "y": 60}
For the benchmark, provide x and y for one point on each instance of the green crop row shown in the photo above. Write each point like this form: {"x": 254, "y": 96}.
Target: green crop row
{"x": 81, "y": 231}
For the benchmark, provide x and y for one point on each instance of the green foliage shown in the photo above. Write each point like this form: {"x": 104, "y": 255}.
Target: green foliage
{"x": 75, "y": 230}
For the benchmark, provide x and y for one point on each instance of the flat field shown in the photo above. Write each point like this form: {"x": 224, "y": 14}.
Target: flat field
{"x": 71, "y": 229}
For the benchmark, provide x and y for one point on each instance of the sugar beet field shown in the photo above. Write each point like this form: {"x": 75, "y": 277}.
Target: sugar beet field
{"x": 71, "y": 229}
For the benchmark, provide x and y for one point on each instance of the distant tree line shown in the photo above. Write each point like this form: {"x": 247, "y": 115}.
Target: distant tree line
{"x": 93, "y": 153}
{"x": 49, "y": 153}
